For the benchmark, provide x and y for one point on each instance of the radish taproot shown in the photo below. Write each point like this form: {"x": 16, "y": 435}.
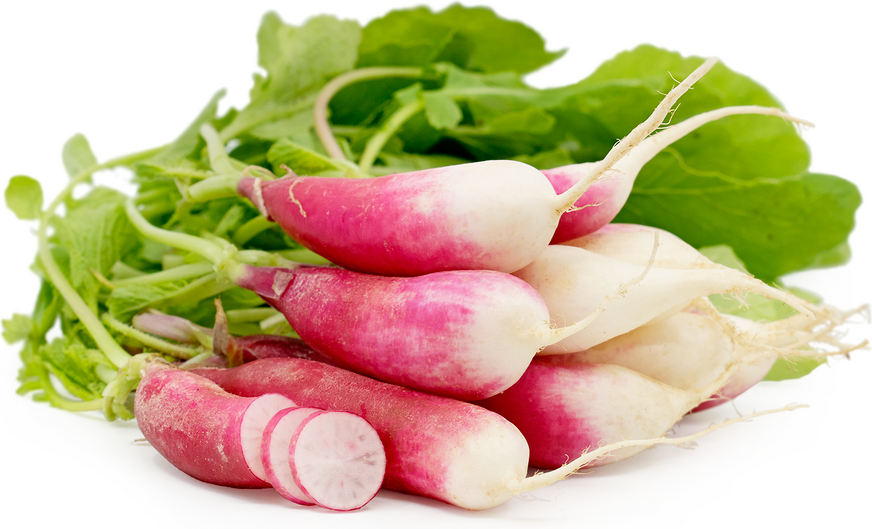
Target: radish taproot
{"x": 692, "y": 348}
{"x": 565, "y": 411}
{"x": 493, "y": 215}
{"x": 605, "y": 198}
{"x": 441, "y": 448}
{"x": 468, "y": 334}
{"x": 203, "y": 430}
{"x": 572, "y": 281}
{"x": 332, "y": 459}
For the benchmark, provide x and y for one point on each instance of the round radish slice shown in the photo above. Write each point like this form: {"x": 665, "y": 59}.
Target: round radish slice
{"x": 338, "y": 459}
{"x": 277, "y": 438}
{"x": 253, "y": 423}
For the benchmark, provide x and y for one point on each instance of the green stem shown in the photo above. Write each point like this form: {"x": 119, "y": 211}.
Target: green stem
{"x": 214, "y": 188}
{"x": 249, "y": 315}
{"x": 251, "y": 229}
{"x": 179, "y": 351}
{"x": 101, "y": 336}
{"x": 322, "y": 125}
{"x": 59, "y": 401}
{"x": 173, "y": 274}
{"x": 219, "y": 160}
{"x": 388, "y": 129}
{"x": 209, "y": 251}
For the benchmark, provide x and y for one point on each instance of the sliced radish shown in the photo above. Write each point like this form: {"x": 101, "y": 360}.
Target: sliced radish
{"x": 277, "y": 438}
{"x": 338, "y": 459}
{"x": 252, "y": 428}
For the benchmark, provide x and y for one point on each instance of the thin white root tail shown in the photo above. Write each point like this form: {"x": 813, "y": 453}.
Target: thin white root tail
{"x": 655, "y": 143}
{"x": 635, "y": 137}
{"x": 541, "y": 480}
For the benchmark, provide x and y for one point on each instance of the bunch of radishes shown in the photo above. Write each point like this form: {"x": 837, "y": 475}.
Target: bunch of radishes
{"x": 468, "y": 296}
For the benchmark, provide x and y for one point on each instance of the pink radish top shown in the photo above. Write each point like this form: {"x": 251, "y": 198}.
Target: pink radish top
{"x": 493, "y": 215}
{"x": 600, "y": 203}
{"x": 464, "y": 334}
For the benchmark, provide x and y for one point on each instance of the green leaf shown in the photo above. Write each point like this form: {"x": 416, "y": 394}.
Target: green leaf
{"x": 441, "y": 110}
{"x": 301, "y": 160}
{"x": 129, "y": 300}
{"x": 17, "y": 328}
{"x": 75, "y": 366}
{"x": 24, "y": 197}
{"x": 784, "y": 370}
{"x": 473, "y": 38}
{"x": 77, "y": 155}
{"x": 95, "y": 233}
{"x": 775, "y": 226}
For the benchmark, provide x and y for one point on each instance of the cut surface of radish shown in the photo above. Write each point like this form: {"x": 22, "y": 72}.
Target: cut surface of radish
{"x": 254, "y": 421}
{"x": 277, "y": 438}
{"x": 338, "y": 459}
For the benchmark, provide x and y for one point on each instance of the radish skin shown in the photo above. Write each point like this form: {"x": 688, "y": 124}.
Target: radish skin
{"x": 605, "y": 198}
{"x": 466, "y": 334}
{"x": 203, "y": 430}
{"x": 566, "y": 410}
{"x": 440, "y": 448}
{"x": 494, "y": 215}
{"x": 573, "y": 281}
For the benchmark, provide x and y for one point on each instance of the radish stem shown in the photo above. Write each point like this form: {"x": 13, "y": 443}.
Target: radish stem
{"x": 322, "y": 125}
{"x": 388, "y": 129}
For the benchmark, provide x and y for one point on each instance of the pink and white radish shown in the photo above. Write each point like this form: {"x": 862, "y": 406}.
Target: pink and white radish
{"x": 203, "y": 430}
{"x": 692, "y": 348}
{"x": 605, "y": 198}
{"x": 567, "y": 410}
{"x": 631, "y": 243}
{"x": 494, "y": 215}
{"x": 436, "y": 447}
{"x": 467, "y": 334}
{"x": 332, "y": 459}
{"x": 573, "y": 281}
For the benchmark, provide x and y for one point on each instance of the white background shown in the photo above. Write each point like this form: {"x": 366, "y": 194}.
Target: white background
{"x": 130, "y": 76}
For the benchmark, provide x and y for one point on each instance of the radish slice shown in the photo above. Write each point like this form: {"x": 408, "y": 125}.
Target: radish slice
{"x": 253, "y": 424}
{"x": 277, "y": 437}
{"x": 338, "y": 459}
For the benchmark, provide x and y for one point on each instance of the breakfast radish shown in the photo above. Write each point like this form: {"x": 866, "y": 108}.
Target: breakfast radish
{"x": 345, "y": 473}
{"x": 436, "y": 447}
{"x": 493, "y": 215}
{"x": 692, "y": 348}
{"x": 572, "y": 281}
{"x": 631, "y": 243}
{"x": 332, "y": 459}
{"x": 201, "y": 429}
{"x": 566, "y": 410}
{"x": 467, "y": 334}
{"x": 605, "y": 198}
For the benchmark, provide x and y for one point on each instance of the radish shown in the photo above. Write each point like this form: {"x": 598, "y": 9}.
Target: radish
{"x": 494, "y": 215}
{"x": 468, "y": 334}
{"x": 573, "y": 281}
{"x": 566, "y": 410}
{"x": 692, "y": 348}
{"x": 335, "y": 459}
{"x": 631, "y": 243}
{"x": 441, "y": 448}
{"x": 605, "y": 198}
{"x": 201, "y": 429}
